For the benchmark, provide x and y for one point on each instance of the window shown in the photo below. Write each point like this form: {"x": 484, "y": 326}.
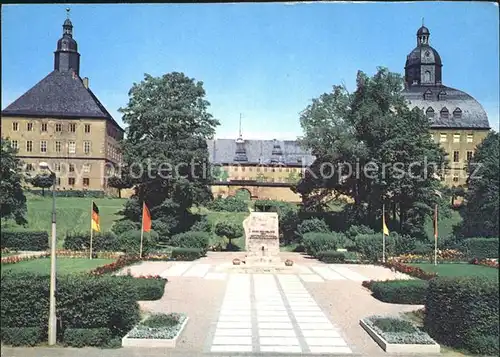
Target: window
{"x": 86, "y": 181}
{"x": 429, "y": 112}
{"x": 457, "y": 113}
{"x": 441, "y": 95}
{"x": 29, "y": 167}
{"x": 57, "y": 167}
{"x": 445, "y": 114}
{"x": 258, "y": 168}
{"x": 29, "y": 146}
{"x": 427, "y": 95}
{"x": 86, "y": 167}
{"x": 455, "y": 177}
{"x": 15, "y": 126}
{"x": 86, "y": 147}
{"x": 456, "y": 138}
{"x": 442, "y": 138}
{"x": 29, "y": 126}
{"x": 58, "y": 127}
{"x": 43, "y": 146}
{"x": 72, "y": 127}
{"x": 58, "y": 146}
{"x": 265, "y": 169}
{"x": 71, "y": 147}
{"x": 469, "y": 155}
{"x": 87, "y": 128}
{"x": 71, "y": 167}
{"x": 71, "y": 181}
{"x": 243, "y": 169}
{"x": 58, "y": 181}
{"x": 250, "y": 169}
{"x": 470, "y": 138}
{"x": 456, "y": 156}
{"x": 14, "y": 144}
{"x": 44, "y": 126}
{"x": 287, "y": 169}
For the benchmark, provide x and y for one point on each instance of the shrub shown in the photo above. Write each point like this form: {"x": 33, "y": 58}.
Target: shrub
{"x": 331, "y": 256}
{"x": 403, "y": 243}
{"x": 130, "y": 242}
{"x": 228, "y": 229}
{"x": 481, "y": 248}
{"x": 370, "y": 246}
{"x": 80, "y": 337}
{"x": 463, "y": 313}
{"x": 123, "y": 226}
{"x": 398, "y": 331}
{"x": 101, "y": 242}
{"x": 191, "y": 239}
{"x": 21, "y": 336}
{"x": 24, "y": 240}
{"x": 312, "y": 225}
{"x": 202, "y": 225}
{"x": 355, "y": 231}
{"x": 317, "y": 242}
{"x": 146, "y": 288}
{"x": 400, "y": 291}
{"x": 83, "y": 301}
{"x": 228, "y": 204}
{"x": 187, "y": 253}
{"x": 422, "y": 248}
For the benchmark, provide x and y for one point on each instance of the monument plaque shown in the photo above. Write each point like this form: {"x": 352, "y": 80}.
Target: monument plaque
{"x": 262, "y": 237}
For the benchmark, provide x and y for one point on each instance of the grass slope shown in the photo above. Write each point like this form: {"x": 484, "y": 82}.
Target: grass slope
{"x": 64, "y": 265}
{"x": 459, "y": 270}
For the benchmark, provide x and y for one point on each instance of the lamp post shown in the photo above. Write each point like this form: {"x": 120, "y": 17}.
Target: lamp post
{"x": 53, "y": 241}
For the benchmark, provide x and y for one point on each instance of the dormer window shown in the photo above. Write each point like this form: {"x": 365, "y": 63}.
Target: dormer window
{"x": 429, "y": 113}
{"x": 457, "y": 113}
{"x": 445, "y": 114}
{"x": 442, "y": 95}
{"x": 428, "y": 95}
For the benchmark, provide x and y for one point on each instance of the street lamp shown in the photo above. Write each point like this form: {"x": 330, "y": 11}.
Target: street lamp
{"x": 53, "y": 242}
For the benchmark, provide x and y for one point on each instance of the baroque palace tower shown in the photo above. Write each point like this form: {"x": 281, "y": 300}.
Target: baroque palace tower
{"x": 60, "y": 121}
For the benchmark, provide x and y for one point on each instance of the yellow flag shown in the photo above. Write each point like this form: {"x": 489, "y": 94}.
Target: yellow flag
{"x": 95, "y": 218}
{"x": 384, "y": 226}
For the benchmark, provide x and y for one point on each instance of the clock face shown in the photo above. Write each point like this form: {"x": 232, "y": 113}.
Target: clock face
{"x": 427, "y": 53}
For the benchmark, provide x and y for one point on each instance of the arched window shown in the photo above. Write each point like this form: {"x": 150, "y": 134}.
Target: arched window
{"x": 457, "y": 113}
{"x": 427, "y": 76}
{"x": 429, "y": 112}
{"x": 445, "y": 114}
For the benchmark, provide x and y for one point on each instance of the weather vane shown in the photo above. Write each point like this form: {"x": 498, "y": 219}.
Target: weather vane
{"x": 67, "y": 11}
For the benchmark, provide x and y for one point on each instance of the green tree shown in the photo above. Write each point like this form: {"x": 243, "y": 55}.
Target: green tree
{"x": 165, "y": 151}
{"x": 229, "y": 230}
{"x": 481, "y": 212}
{"x": 42, "y": 181}
{"x": 371, "y": 146}
{"x": 12, "y": 199}
{"x": 120, "y": 183}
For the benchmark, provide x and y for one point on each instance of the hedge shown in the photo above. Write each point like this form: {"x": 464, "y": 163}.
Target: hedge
{"x": 146, "y": 288}
{"x": 21, "y": 336}
{"x": 101, "y": 242}
{"x": 463, "y": 313}
{"x": 331, "y": 256}
{"x": 24, "y": 240}
{"x": 83, "y": 301}
{"x": 370, "y": 246}
{"x": 228, "y": 204}
{"x": 400, "y": 291}
{"x": 71, "y": 193}
{"x": 315, "y": 242}
{"x": 191, "y": 239}
{"x": 81, "y": 337}
{"x": 481, "y": 248}
{"x": 187, "y": 253}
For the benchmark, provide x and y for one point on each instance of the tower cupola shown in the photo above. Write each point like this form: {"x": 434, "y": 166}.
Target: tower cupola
{"x": 66, "y": 56}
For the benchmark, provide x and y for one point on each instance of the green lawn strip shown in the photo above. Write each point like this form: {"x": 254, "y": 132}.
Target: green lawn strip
{"x": 458, "y": 269}
{"x": 64, "y": 265}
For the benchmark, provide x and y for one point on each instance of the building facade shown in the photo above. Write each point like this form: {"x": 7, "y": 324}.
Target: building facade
{"x": 458, "y": 122}
{"x": 60, "y": 121}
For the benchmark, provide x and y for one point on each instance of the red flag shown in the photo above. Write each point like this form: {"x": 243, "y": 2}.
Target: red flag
{"x": 146, "y": 218}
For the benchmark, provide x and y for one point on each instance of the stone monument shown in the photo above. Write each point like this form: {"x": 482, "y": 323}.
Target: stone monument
{"x": 262, "y": 238}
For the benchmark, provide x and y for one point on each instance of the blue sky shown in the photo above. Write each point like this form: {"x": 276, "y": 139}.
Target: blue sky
{"x": 266, "y": 61}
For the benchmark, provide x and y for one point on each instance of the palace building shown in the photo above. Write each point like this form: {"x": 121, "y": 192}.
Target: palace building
{"x": 458, "y": 122}
{"x": 60, "y": 121}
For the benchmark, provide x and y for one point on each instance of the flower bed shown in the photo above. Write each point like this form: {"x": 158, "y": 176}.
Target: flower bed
{"x": 492, "y": 263}
{"x": 60, "y": 253}
{"x": 412, "y": 271}
{"x": 446, "y": 255}
{"x": 157, "y": 330}
{"x": 13, "y": 259}
{"x": 122, "y": 262}
{"x": 396, "y": 335}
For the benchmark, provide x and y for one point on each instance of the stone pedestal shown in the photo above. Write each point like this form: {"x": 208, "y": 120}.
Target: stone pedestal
{"x": 262, "y": 238}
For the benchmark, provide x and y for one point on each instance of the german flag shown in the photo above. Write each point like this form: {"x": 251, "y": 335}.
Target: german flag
{"x": 95, "y": 218}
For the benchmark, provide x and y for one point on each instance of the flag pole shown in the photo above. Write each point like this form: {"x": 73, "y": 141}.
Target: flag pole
{"x": 91, "y": 230}
{"x": 383, "y": 233}
{"x": 435, "y": 232}
{"x": 142, "y": 230}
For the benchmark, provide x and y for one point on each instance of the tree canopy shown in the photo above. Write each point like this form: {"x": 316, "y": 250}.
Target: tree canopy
{"x": 12, "y": 199}
{"x": 370, "y": 146}
{"x": 481, "y": 212}
{"x": 42, "y": 181}
{"x": 165, "y": 151}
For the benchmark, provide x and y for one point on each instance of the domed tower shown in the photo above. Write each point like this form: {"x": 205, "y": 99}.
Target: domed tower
{"x": 423, "y": 64}
{"x": 240, "y": 154}
{"x": 277, "y": 153}
{"x": 66, "y": 57}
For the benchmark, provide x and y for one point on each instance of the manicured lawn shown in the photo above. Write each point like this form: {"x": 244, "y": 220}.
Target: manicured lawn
{"x": 64, "y": 265}
{"x": 4, "y": 255}
{"x": 459, "y": 270}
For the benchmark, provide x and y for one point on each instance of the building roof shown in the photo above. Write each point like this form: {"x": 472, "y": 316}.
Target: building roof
{"x": 438, "y": 97}
{"x": 222, "y": 151}
{"x": 59, "y": 95}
